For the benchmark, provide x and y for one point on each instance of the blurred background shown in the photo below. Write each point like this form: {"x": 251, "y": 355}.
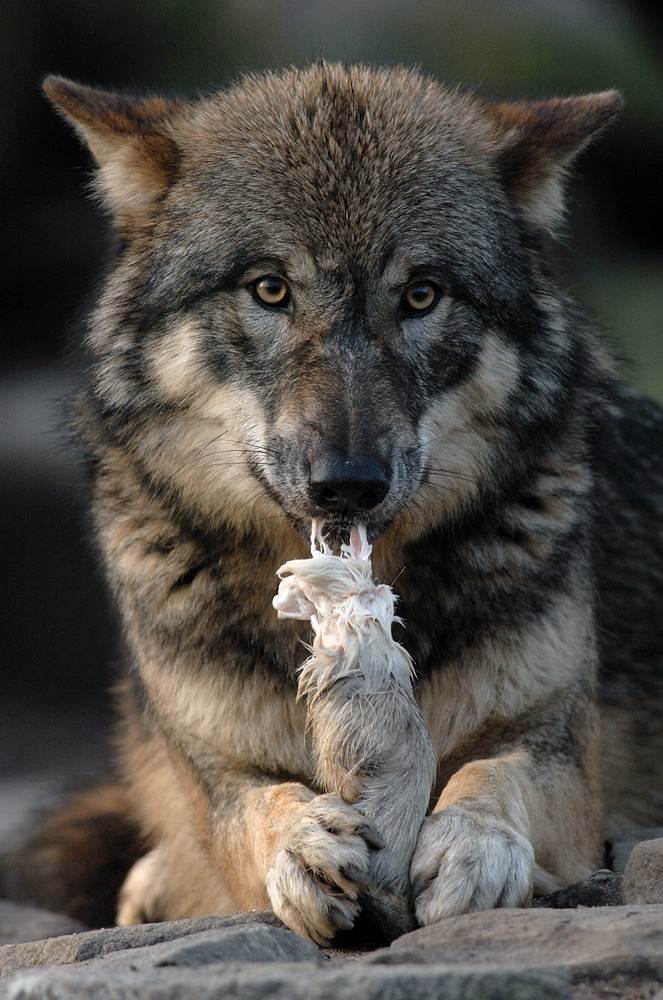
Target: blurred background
{"x": 58, "y": 643}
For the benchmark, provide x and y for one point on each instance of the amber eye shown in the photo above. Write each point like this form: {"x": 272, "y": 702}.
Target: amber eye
{"x": 419, "y": 296}
{"x": 271, "y": 291}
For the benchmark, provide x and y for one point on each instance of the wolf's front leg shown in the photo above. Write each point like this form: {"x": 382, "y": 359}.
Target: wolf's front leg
{"x": 474, "y": 851}
{"x": 261, "y": 844}
{"x": 502, "y": 829}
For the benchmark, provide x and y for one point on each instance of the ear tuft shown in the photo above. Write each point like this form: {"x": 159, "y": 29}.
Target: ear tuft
{"x": 131, "y": 140}
{"x": 540, "y": 139}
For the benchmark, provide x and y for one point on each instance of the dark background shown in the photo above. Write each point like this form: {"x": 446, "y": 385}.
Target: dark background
{"x": 58, "y": 646}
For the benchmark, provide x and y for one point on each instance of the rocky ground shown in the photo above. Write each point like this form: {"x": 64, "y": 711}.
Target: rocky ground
{"x": 600, "y": 939}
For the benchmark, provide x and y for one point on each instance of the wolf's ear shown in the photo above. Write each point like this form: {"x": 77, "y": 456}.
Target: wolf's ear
{"x": 130, "y": 139}
{"x": 540, "y": 139}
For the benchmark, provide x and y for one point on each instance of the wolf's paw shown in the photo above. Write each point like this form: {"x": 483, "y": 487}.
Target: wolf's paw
{"x": 317, "y": 875}
{"x": 140, "y": 897}
{"x": 465, "y": 862}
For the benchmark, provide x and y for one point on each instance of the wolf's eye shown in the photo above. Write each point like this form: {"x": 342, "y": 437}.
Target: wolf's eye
{"x": 419, "y": 296}
{"x": 271, "y": 291}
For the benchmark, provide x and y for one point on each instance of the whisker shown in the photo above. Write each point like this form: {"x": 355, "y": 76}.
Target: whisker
{"x": 452, "y": 475}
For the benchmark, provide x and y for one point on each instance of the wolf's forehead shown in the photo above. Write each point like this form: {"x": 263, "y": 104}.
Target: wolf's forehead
{"x": 335, "y": 134}
{"x": 350, "y": 185}
{"x": 349, "y": 169}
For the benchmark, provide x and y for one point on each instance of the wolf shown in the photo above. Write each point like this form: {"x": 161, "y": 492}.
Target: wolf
{"x": 335, "y": 295}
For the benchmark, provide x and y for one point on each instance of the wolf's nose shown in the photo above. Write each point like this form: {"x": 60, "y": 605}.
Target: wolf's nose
{"x": 347, "y": 485}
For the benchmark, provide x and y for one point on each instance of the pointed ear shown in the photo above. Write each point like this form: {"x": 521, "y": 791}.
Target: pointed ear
{"x": 130, "y": 139}
{"x": 540, "y": 140}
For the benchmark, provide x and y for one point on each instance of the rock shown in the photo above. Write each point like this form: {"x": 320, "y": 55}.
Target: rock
{"x": 619, "y": 848}
{"x": 285, "y": 981}
{"x": 535, "y": 954}
{"x": 28, "y": 923}
{"x": 643, "y": 875}
{"x": 602, "y": 888}
{"x": 92, "y": 944}
{"x": 595, "y": 947}
{"x": 248, "y": 943}
{"x": 585, "y": 941}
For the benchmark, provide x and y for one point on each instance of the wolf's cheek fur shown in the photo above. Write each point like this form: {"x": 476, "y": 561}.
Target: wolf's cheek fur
{"x": 201, "y": 457}
{"x": 461, "y": 431}
{"x": 199, "y": 449}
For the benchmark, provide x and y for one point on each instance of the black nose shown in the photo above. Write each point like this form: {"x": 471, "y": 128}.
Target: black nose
{"x": 348, "y": 485}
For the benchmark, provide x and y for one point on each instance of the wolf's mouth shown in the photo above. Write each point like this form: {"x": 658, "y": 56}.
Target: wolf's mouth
{"x": 337, "y": 527}
{"x": 340, "y": 492}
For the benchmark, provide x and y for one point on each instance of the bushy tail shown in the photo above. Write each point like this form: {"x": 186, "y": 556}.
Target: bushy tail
{"x": 78, "y": 857}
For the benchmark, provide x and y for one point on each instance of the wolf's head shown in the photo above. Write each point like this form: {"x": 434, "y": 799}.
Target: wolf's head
{"x": 332, "y": 295}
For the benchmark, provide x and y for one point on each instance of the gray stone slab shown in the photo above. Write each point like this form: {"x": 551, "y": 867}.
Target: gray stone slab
{"x": 535, "y": 954}
{"x": 243, "y": 943}
{"x": 588, "y": 943}
{"x": 28, "y": 923}
{"x": 643, "y": 875}
{"x": 82, "y": 947}
{"x": 601, "y": 888}
{"x": 285, "y": 981}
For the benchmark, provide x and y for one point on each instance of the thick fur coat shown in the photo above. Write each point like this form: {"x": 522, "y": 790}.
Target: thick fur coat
{"x": 334, "y": 295}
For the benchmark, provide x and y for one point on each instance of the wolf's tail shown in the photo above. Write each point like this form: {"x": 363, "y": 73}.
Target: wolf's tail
{"x": 78, "y": 857}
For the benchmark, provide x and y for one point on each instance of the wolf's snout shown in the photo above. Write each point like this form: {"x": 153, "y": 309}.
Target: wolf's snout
{"x": 347, "y": 485}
